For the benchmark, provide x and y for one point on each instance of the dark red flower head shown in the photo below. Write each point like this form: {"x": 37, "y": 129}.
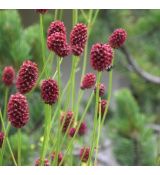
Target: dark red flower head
{"x": 72, "y": 132}
{"x": 1, "y": 139}
{"x": 84, "y": 154}
{"x": 78, "y": 38}
{"x": 27, "y": 77}
{"x": 56, "y": 26}
{"x": 42, "y": 11}
{"x": 117, "y": 38}
{"x": 77, "y": 50}
{"x": 101, "y": 56}
{"x": 49, "y": 91}
{"x": 18, "y": 110}
{"x": 8, "y": 75}
{"x": 57, "y": 42}
{"x": 78, "y": 35}
{"x": 101, "y": 89}
{"x": 60, "y": 158}
{"x": 82, "y": 129}
{"x": 103, "y": 106}
{"x": 67, "y": 120}
{"x": 46, "y": 162}
{"x": 88, "y": 81}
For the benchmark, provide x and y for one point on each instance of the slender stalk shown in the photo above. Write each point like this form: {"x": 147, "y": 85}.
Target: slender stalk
{"x": 100, "y": 123}
{"x": 47, "y": 108}
{"x": 5, "y": 102}
{"x": 86, "y": 48}
{"x": 4, "y": 118}
{"x": 98, "y": 135}
{"x": 61, "y": 14}
{"x": 82, "y": 118}
{"x": 42, "y": 38}
{"x": 57, "y": 69}
{"x": 84, "y": 15}
{"x": 55, "y": 14}
{"x": 73, "y": 82}
{"x": 73, "y": 70}
{"x": 4, "y": 144}
{"x": 7, "y": 140}
{"x": 94, "y": 17}
{"x": 11, "y": 152}
{"x": 80, "y": 93}
{"x": 96, "y": 113}
{"x": 68, "y": 96}
{"x": 109, "y": 95}
{"x": 58, "y": 135}
{"x": 19, "y": 146}
{"x": 75, "y": 19}
{"x": 48, "y": 113}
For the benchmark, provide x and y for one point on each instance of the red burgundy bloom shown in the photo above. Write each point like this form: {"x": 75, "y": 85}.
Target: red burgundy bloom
{"x": 27, "y": 77}
{"x": 67, "y": 120}
{"x": 101, "y": 56}
{"x": 57, "y": 42}
{"x": 72, "y": 132}
{"x": 49, "y": 91}
{"x": 77, "y": 50}
{"x": 42, "y": 11}
{"x": 78, "y": 35}
{"x": 60, "y": 158}
{"x": 8, "y": 75}
{"x": 1, "y": 139}
{"x": 88, "y": 81}
{"x": 82, "y": 129}
{"x": 56, "y": 26}
{"x": 18, "y": 110}
{"x": 84, "y": 154}
{"x": 46, "y": 162}
{"x": 117, "y": 38}
{"x": 101, "y": 90}
{"x": 78, "y": 38}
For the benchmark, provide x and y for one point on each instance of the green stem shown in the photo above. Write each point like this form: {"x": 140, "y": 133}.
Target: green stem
{"x": 80, "y": 93}
{"x": 100, "y": 123}
{"x": 55, "y": 114}
{"x": 58, "y": 135}
{"x": 5, "y": 102}
{"x": 109, "y": 95}
{"x": 57, "y": 69}
{"x": 42, "y": 41}
{"x": 95, "y": 118}
{"x": 68, "y": 96}
{"x": 19, "y": 146}
{"x": 94, "y": 18}
{"x": 55, "y": 14}
{"x": 82, "y": 118}
{"x": 11, "y": 152}
{"x": 61, "y": 14}
{"x": 73, "y": 82}
{"x": 6, "y": 140}
{"x": 98, "y": 134}
{"x": 84, "y": 15}
{"x": 86, "y": 47}
{"x": 48, "y": 113}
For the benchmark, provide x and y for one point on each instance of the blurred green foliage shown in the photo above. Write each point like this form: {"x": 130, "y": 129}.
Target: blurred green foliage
{"x": 133, "y": 141}
{"x": 18, "y": 43}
